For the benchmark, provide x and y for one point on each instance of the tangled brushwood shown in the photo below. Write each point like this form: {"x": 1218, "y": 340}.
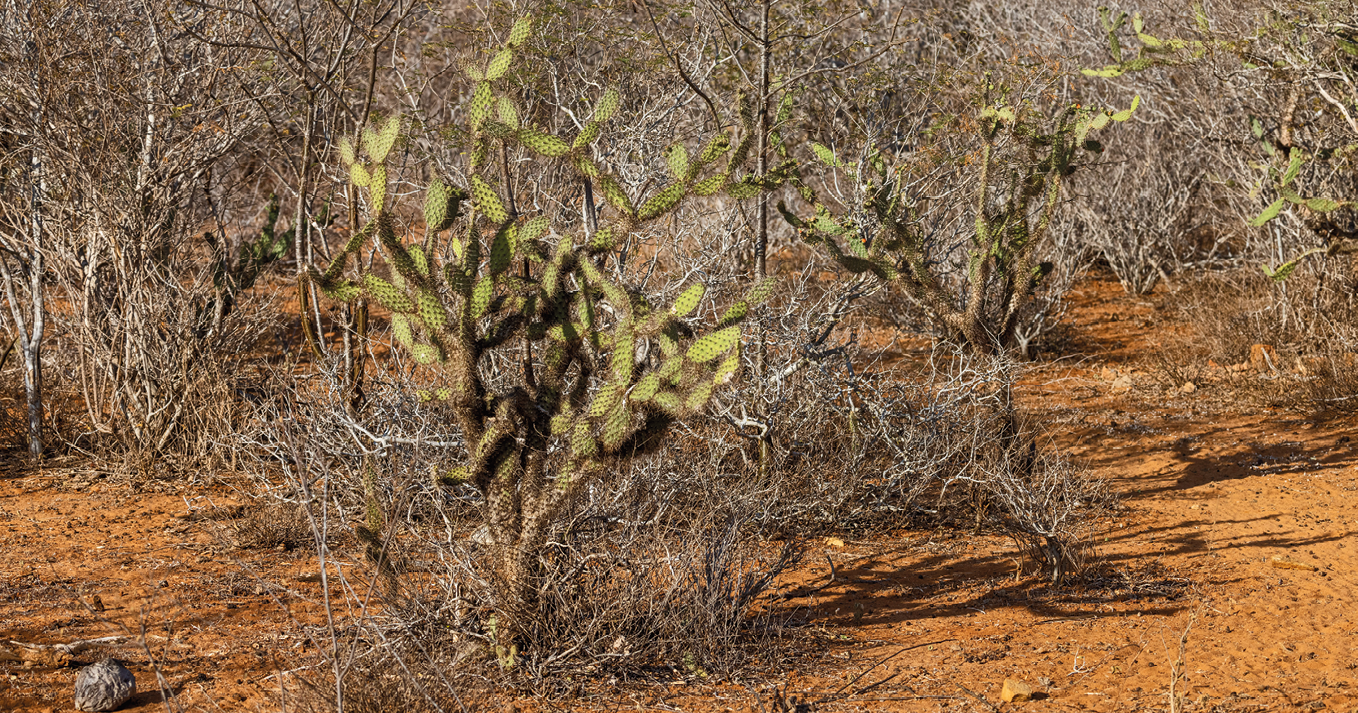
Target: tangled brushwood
{"x": 558, "y": 338}
{"x": 569, "y": 464}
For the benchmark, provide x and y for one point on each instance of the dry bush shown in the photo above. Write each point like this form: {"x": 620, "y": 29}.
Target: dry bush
{"x": 638, "y": 573}
{"x": 13, "y": 413}
{"x": 667, "y": 562}
{"x": 1309, "y": 320}
{"x": 268, "y": 525}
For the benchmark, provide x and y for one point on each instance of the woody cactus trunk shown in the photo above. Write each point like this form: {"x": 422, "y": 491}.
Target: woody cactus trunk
{"x": 603, "y": 371}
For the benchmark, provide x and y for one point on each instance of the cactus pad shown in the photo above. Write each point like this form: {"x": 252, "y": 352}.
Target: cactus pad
{"x": 713, "y": 345}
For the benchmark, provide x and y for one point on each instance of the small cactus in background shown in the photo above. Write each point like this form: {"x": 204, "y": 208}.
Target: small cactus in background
{"x": 233, "y": 274}
{"x": 886, "y": 239}
{"x": 1292, "y": 69}
{"x": 606, "y": 370}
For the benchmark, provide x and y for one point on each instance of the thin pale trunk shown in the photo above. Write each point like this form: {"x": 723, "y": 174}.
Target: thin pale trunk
{"x": 761, "y": 242}
{"x": 31, "y": 341}
{"x": 302, "y": 242}
{"x": 33, "y": 349}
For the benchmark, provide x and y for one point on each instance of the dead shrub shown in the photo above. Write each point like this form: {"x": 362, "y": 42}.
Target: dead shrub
{"x": 268, "y": 525}
{"x": 1310, "y": 322}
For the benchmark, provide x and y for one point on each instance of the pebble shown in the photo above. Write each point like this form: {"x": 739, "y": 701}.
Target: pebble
{"x": 1016, "y": 691}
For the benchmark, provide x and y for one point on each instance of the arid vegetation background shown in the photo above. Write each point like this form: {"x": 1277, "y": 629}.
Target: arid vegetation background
{"x": 375, "y": 354}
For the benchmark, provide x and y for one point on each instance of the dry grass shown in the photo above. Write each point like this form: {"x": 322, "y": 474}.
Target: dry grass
{"x": 1310, "y": 322}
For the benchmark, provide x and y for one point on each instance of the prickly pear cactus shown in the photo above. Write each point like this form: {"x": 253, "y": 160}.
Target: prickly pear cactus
{"x": 883, "y": 236}
{"x": 584, "y": 399}
{"x": 1288, "y": 45}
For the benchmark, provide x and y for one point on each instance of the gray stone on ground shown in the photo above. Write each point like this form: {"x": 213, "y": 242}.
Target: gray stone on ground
{"x": 103, "y": 686}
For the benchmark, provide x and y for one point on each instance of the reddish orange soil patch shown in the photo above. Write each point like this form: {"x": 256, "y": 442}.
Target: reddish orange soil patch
{"x": 1237, "y": 517}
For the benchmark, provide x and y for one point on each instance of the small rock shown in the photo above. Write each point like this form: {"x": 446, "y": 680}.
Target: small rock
{"x": 1122, "y": 384}
{"x": 834, "y": 542}
{"x": 1016, "y": 691}
{"x": 1108, "y": 374}
{"x": 103, "y": 686}
{"x": 96, "y": 603}
{"x": 1279, "y": 562}
{"x": 1188, "y": 387}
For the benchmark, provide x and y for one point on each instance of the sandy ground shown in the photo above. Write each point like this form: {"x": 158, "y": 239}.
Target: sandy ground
{"x": 1233, "y": 543}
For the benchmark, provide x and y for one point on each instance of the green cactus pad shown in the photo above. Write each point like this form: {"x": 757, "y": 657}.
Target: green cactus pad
{"x": 745, "y": 188}
{"x": 761, "y": 291}
{"x": 669, "y": 402}
{"x": 400, "y": 328}
{"x": 387, "y": 294}
{"x": 418, "y": 259}
{"x": 377, "y": 187}
{"x": 615, "y": 425}
{"x": 519, "y": 33}
{"x": 501, "y": 253}
{"x": 487, "y": 202}
{"x": 670, "y": 370}
{"x": 713, "y": 345}
{"x": 605, "y": 399}
{"x": 605, "y": 239}
{"x": 482, "y": 98}
{"x": 734, "y": 314}
{"x": 676, "y": 156}
{"x": 607, "y": 106}
{"x": 499, "y": 64}
{"x": 825, "y": 155}
{"x": 440, "y": 206}
{"x": 709, "y": 186}
{"x": 481, "y": 296}
{"x": 359, "y": 175}
{"x": 727, "y": 369}
{"x": 340, "y": 290}
{"x": 1269, "y": 213}
{"x": 718, "y": 145}
{"x": 1126, "y": 114}
{"x": 533, "y": 229}
{"x": 615, "y": 195}
{"x": 458, "y": 280}
{"x": 378, "y": 143}
{"x": 688, "y": 300}
{"x": 1323, "y": 205}
{"x": 504, "y": 109}
{"x": 561, "y": 424}
{"x": 645, "y": 388}
{"x": 431, "y": 311}
{"x": 456, "y": 476}
{"x": 661, "y": 202}
{"x": 583, "y": 444}
{"x": 346, "y": 151}
{"x": 587, "y": 135}
{"x": 542, "y": 143}
{"x": 426, "y": 354}
{"x": 699, "y": 396}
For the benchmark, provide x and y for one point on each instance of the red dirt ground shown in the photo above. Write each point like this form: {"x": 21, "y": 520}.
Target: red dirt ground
{"x": 1237, "y": 517}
